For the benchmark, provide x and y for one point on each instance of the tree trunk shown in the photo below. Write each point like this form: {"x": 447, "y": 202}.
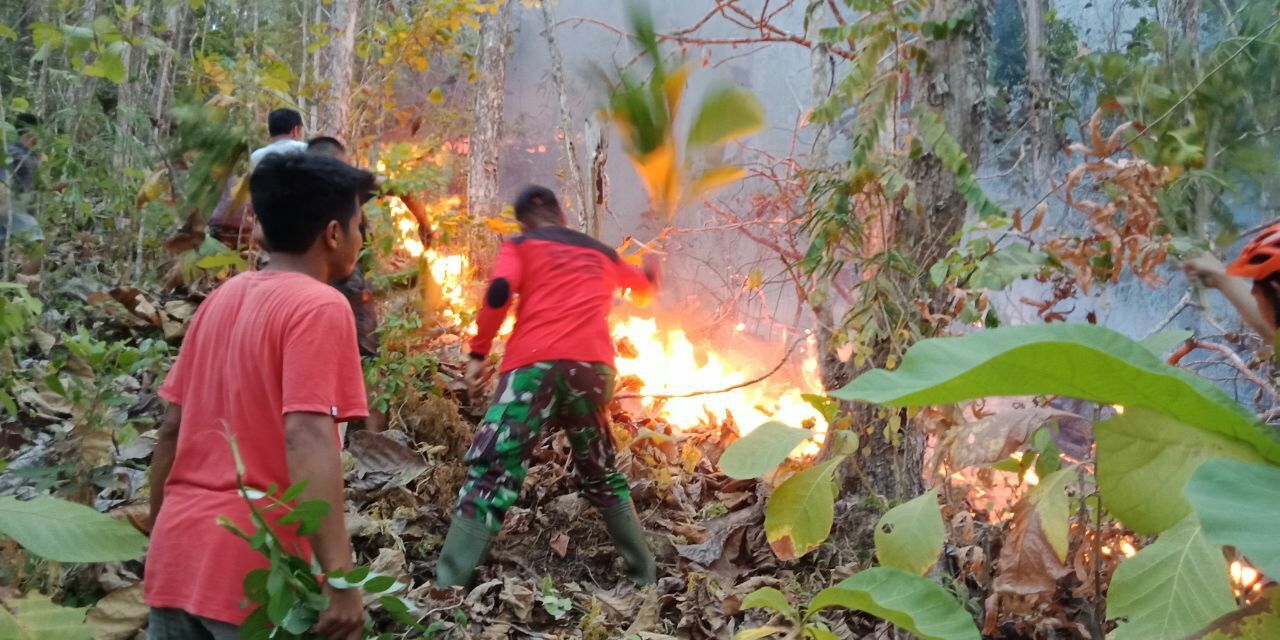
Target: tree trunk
{"x": 486, "y": 136}
{"x": 952, "y": 83}
{"x": 597, "y": 187}
{"x": 1042, "y": 131}
{"x": 577, "y": 190}
{"x": 333, "y": 107}
{"x": 486, "y": 132}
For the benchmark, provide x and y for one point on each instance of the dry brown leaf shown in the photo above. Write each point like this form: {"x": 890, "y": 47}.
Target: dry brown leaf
{"x": 375, "y": 452}
{"x": 119, "y": 615}
{"x": 1029, "y": 566}
{"x": 519, "y": 598}
{"x": 560, "y": 543}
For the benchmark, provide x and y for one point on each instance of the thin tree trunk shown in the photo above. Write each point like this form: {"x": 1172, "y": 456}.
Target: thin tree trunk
{"x": 576, "y": 187}
{"x": 333, "y": 109}
{"x": 305, "y": 17}
{"x": 486, "y": 135}
{"x": 1042, "y": 131}
{"x": 597, "y": 201}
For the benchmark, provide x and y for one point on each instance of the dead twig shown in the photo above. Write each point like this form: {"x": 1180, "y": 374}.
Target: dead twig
{"x": 693, "y": 394}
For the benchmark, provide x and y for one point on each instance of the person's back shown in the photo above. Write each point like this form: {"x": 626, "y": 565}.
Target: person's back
{"x": 565, "y": 281}
{"x": 284, "y": 126}
{"x": 250, "y": 359}
{"x": 566, "y": 290}
{"x": 269, "y": 360}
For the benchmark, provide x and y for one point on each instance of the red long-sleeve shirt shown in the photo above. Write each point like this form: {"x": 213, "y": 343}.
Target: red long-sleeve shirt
{"x": 565, "y": 280}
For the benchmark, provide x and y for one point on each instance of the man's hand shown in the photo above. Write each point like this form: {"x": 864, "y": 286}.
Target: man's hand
{"x": 1207, "y": 269}
{"x": 344, "y": 619}
{"x": 477, "y": 375}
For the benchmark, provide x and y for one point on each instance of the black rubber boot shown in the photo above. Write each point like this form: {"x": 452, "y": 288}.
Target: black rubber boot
{"x": 624, "y": 528}
{"x": 464, "y": 549}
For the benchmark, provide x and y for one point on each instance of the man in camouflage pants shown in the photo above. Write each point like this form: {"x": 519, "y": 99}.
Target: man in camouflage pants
{"x": 557, "y": 370}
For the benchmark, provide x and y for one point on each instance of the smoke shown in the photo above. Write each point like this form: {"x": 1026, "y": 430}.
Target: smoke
{"x": 710, "y": 277}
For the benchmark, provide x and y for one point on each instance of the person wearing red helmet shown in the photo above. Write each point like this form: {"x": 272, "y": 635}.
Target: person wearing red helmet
{"x": 1257, "y": 302}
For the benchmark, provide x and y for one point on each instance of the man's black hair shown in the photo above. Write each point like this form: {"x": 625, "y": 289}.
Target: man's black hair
{"x": 327, "y": 145}
{"x": 282, "y": 122}
{"x": 538, "y": 203}
{"x": 296, "y": 195}
{"x": 25, "y": 122}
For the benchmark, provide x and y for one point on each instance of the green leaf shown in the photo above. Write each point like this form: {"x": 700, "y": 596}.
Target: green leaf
{"x": 1006, "y": 265}
{"x": 293, "y": 492}
{"x": 1050, "y": 359}
{"x": 726, "y": 113}
{"x": 1258, "y": 621}
{"x": 911, "y": 602}
{"x": 378, "y": 584}
{"x": 7, "y": 33}
{"x": 909, "y": 536}
{"x": 771, "y": 599}
{"x": 1239, "y": 504}
{"x": 800, "y": 512}
{"x": 308, "y": 515}
{"x": 36, "y": 617}
{"x": 279, "y": 605}
{"x": 1170, "y": 588}
{"x": 211, "y": 263}
{"x": 68, "y": 532}
{"x": 1144, "y": 461}
{"x": 1165, "y": 341}
{"x": 761, "y": 451}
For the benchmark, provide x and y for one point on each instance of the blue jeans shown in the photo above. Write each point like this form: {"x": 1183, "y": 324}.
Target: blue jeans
{"x": 176, "y": 624}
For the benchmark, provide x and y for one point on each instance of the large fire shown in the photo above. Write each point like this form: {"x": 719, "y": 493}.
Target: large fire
{"x": 660, "y": 362}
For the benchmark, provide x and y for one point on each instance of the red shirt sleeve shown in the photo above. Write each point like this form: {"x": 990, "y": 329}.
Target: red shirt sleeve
{"x": 321, "y": 372}
{"x": 489, "y": 320}
{"x": 629, "y": 276}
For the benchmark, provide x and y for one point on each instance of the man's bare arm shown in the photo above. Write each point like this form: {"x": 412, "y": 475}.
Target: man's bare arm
{"x": 162, "y": 457}
{"x": 311, "y": 451}
{"x": 312, "y": 455}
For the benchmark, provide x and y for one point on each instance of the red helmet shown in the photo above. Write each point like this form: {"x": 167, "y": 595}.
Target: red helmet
{"x": 1261, "y": 257}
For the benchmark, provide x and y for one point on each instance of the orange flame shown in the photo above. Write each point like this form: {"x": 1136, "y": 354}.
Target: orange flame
{"x": 666, "y": 362}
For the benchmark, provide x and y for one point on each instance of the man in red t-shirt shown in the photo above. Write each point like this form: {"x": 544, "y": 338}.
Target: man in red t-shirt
{"x": 557, "y": 370}
{"x": 271, "y": 360}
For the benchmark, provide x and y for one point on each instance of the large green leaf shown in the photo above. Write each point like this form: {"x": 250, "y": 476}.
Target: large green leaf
{"x": 916, "y": 604}
{"x": 909, "y": 536}
{"x": 1078, "y": 360}
{"x": 761, "y": 451}
{"x": 35, "y": 617}
{"x": 68, "y": 532}
{"x": 1258, "y": 621}
{"x": 800, "y": 512}
{"x": 1144, "y": 461}
{"x": 1239, "y": 504}
{"x": 726, "y": 113}
{"x": 1170, "y": 588}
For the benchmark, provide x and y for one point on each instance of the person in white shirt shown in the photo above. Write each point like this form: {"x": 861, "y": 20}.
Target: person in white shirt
{"x": 285, "y": 128}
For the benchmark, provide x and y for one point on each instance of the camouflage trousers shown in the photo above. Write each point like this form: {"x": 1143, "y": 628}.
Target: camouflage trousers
{"x": 563, "y": 393}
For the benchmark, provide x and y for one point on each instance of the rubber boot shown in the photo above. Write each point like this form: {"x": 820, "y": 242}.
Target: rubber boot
{"x": 464, "y": 549}
{"x": 627, "y": 535}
